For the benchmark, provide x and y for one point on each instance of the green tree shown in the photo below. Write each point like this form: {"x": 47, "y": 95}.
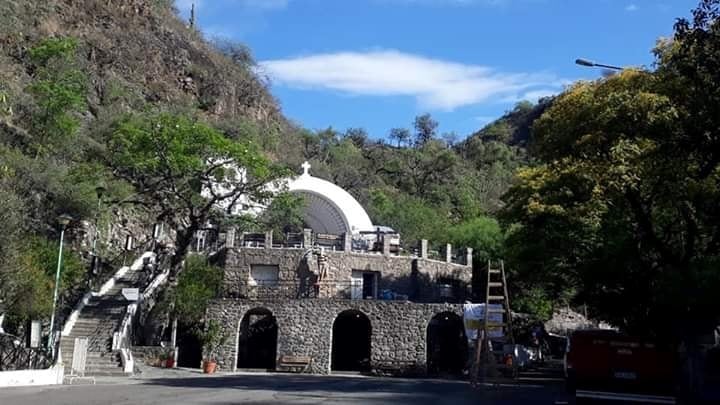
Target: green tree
{"x": 358, "y": 136}
{"x": 186, "y": 170}
{"x": 401, "y": 135}
{"x": 621, "y": 206}
{"x": 483, "y": 234}
{"x": 414, "y": 218}
{"x": 29, "y": 289}
{"x": 500, "y": 131}
{"x": 283, "y": 215}
{"x": 59, "y": 89}
{"x": 198, "y": 283}
{"x": 425, "y": 129}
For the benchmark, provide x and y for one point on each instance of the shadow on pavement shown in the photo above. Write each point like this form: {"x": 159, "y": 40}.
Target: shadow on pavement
{"x": 378, "y": 390}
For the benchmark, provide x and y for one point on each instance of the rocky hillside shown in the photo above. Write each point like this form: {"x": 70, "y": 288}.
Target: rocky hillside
{"x": 134, "y": 52}
{"x": 515, "y": 126}
{"x": 69, "y": 71}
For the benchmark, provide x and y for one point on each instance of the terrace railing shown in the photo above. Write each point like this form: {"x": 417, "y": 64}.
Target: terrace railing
{"x": 298, "y": 289}
{"x": 269, "y": 290}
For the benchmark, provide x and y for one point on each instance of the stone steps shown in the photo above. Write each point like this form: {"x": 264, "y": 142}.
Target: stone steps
{"x": 98, "y": 321}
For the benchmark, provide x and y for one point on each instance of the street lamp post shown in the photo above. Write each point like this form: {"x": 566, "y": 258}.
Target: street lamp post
{"x": 63, "y": 220}
{"x": 589, "y": 63}
{"x": 100, "y": 190}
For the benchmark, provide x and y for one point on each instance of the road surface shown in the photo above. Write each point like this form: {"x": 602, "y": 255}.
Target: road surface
{"x": 281, "y": 389}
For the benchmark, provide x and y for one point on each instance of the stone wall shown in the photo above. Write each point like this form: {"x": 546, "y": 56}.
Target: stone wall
{"x": 409, "y": 275}
{"x": 147, "y": 354}
{"x": 398, "y": 337}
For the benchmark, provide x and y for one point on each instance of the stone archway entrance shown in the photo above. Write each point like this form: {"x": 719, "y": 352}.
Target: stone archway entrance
{"x": 351, "y": 342}
{"x": 257, "y": 343}
{"x": 447, "y": 347}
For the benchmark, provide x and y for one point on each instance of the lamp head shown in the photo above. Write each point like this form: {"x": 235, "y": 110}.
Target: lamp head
{"x": 64, "y": 220}
{"x": 584, "y": 62}
{"x": 100, "y": 191}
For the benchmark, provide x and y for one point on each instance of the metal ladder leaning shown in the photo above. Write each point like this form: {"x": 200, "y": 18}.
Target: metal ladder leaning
{"x": 496, "y": 293}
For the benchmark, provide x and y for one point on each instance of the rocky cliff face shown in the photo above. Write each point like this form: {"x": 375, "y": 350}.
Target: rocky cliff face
{"x": 565, "y": 320}
{"x": 133, "y": 51}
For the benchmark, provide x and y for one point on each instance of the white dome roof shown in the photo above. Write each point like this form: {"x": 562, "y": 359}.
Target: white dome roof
{"x": 329, "y": 209}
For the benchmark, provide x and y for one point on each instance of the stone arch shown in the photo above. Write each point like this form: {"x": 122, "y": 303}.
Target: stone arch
{"x": 257, "y": 339}
{"x": 447, "y": 345}
{"x": 351, "y": 346}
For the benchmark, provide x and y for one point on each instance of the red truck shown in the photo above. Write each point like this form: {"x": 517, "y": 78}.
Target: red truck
{"x": 607, "y": 365}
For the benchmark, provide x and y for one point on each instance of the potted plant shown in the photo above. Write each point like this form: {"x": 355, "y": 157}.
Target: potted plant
{"x": 212, "y": 338}
{"x": 170, "y": 358}
{"x": 161, "y": 359}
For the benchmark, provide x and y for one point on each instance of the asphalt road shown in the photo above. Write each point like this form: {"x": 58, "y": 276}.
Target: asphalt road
{"x": 281, "y": 389}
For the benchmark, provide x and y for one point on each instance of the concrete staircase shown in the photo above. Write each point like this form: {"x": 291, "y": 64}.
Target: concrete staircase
{"x": 98, "y": 321}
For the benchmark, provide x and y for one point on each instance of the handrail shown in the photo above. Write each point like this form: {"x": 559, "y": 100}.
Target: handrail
{"x": 107, "y": 286}
{"x": 121, "y": 338}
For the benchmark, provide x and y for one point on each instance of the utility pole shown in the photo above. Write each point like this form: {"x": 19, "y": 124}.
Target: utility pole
{"x": 99, "y": 190}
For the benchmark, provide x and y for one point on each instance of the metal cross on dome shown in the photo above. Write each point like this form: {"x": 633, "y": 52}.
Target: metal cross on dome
{"x": 306, "y": 168}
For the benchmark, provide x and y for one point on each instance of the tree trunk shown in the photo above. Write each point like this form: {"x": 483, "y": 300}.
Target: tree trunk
{"x": 183, "y": 239}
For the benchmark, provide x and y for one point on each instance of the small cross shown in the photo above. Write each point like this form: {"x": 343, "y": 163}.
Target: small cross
{"x": 306, "y": 168}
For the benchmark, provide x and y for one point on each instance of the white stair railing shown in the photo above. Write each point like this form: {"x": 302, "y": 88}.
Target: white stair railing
{"x": 109, "y": 284}
{"x": 122, "y": 337}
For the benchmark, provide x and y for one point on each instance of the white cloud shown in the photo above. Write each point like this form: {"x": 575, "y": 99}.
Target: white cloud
{"x": 433, "y": 83}
{"x": 632, "y": 7}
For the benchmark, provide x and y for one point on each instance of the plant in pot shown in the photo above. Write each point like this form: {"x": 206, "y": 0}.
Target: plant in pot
{"x": 212, "y": 338}
{"x": 169, "y": 358}
{"x": 161, "y": 359}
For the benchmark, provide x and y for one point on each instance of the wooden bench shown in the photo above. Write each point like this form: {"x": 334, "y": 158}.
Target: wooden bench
{"x": 296, "y": 364}
{"x": 397, "y": 368}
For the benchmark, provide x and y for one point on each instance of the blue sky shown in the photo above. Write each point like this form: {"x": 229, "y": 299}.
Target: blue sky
{"x": 378, "y": 63}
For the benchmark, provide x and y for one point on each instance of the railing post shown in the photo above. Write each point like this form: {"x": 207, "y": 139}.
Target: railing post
{"x": 268, "y": 239}
{"x": 347, "y": 246}
{"x": 424, "y": 249}
{"x": 468, "y": 256}
{"x": 386, "y": 245}
{"x": 230, "y": 238}
{"x": 307, "y": 238}
{"x": 448, "y": 253}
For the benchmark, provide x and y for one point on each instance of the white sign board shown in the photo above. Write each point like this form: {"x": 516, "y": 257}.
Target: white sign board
{"x": 35, "y": 334}
{"x": 474, "y": 318}
{"x": 131, "y": 294}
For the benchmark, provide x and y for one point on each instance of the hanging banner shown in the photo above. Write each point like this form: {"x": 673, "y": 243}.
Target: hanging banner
{"x": 474, "y": 318}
